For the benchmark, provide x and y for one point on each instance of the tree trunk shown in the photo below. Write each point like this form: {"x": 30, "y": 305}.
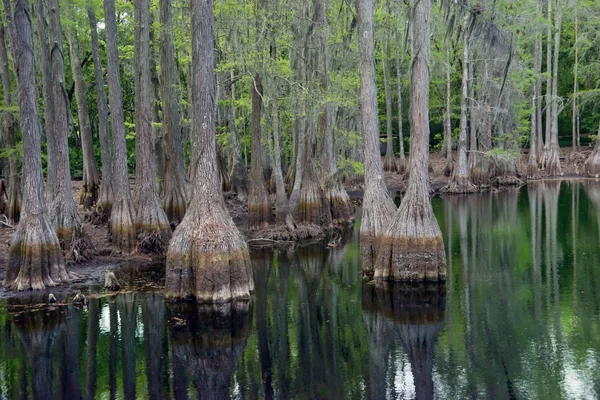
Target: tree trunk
{"x": 551, "y": 162}
{"x": 239, "y": 174}
{"x": 399, "y": 59}
{"x": 35, "y": 260}
{"x": 46, "y": 70}
{"x": 378, "y": 206}
{"x": 532, "y": 165}
{"x": 152, "y": 224}
{"x": 105, "y": 196}
{"x": 575, "y": 122}
{"x": 461, "y": 180}
{"x": 122, "y": 216}
{"x": 91, "y": 178}
{"x": 592, "y": 164}
{"x": 208, "y": 257}
{"x": 389, "y": 163}
{"x": 473, "y": 146}
{"x": 412, "y": 248}
{"x": 448, "y": 119}
{"x": 548, "y": 97}
{"x": 259, "y": 207}
{"x": 174, "y": 196}
{"x": 63, "y": 209}
{"x": 13, "y": 207}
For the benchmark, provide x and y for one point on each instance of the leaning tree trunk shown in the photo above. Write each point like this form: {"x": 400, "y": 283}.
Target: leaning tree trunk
{"x": 389, "y": 163}
{"x": 13, "y": 207}
{"x": 208, "y": 257}
{"x": 259, "y": 207}
{"x": 551, "y": 161}
{"x": 152, "y": 225}
{"x": 378, "y": 207}
{"x": 412, "y": 248}
{"x": 63, "y": 209}
{"x": 91, "y": 178}
{"x": 105, "y": 195}
{"x": 35, "y": 260}
{"x": 461, "y": 180}
{"x": 122, "y": 216}
{"x": 174, "y": 196}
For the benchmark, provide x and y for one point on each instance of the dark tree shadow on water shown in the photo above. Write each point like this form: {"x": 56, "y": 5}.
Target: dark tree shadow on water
{"x": 207, "y": 343}
{"x": 412, "y": 315}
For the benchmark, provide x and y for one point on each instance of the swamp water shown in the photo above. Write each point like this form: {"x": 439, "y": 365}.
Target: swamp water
{"x": 519, "y": 317}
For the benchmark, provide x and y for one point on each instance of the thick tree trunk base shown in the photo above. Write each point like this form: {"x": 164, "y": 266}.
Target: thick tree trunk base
{"x": 532, "y": 170}
{"x": 459, "y": 185}
{"x": 89, "y": 195}
{"x": 104, "y": 203}
{"x": 342, "y": 209}
{"x": 449, "y": 169}
{"x": 378, "y": 209}
{"x": 412, "y": 248}
{"x": 208, "y": 259}
{"x": 480, "y": 173}
{"x": 13, "y": 206}
{"x": 389, "y": 163}
{"x": 313, "y": 207}
{"x": 35, "y": 260}
{"x": 239, "y": 181}
{"x": 592, "y": 164}
{"x": 122, "y": 226}
{"x": 260, "y": 213}
{"x": 69, "y": 229}
{"x": 174, "y": 203}
{"x": 151, "y": 223}
{"x": 551, "y": 161}
{"x": 401, "y": 167}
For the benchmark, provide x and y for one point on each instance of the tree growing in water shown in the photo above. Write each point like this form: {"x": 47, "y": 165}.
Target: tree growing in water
{"x": 378, "y": 206}
{"x": 412, "y": 248}
{"x": 35, "y": 259}
{"x": 208, "y": 258}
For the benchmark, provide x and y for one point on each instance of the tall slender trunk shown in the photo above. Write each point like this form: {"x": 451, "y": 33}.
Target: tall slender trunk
{"x": 34, "y": 257}
{"x": 473, "y": 145}
{"x": 282, "y": 208}
{"x": 534, "y": 149}
{"x": 13, "y": 208}
{"x": 174, "y": 196}
{"x": 91, "y": 178}
{"x": 412, "y": 248}
{"x": 448, "y": 118}
{"x": 151, "y": 221}
{"x": 208, "y": 257}
{"x": 105, "y": 197}
{"x": 548, "y": 96}
{"x": 389, "y": 163}
{"x": 399, "y": 59}
{"x": 122, "y": 216}
{"x": 575, "y": 122}
{"x": 239, "y": 174}
{"x": 63, "y": 209}
{"x": 378, "y": 206}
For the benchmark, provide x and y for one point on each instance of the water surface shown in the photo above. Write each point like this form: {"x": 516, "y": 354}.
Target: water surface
{"x": 518, "y": 318}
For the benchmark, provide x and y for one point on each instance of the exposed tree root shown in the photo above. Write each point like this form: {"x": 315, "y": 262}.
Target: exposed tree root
{"x": 412, "y": 248}
{"x": 70, "y": 232}
{"x": 340, "y": 206}
{"x": 152, "y": 226}
{"x": 457, "y": 186}
{"x": 208, "y": 258}
{"x": 122, "y": 226}
{"x": 98, "y": 216}
{"x": 35, "y": 260}
{"x": 278, "y": 233}
{"x": 152, "y": 243}
{"x": 551, "y": 161}
{"x": 389, "y": 163}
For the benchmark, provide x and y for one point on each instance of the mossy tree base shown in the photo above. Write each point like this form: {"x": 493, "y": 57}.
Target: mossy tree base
{"x": 260, "y": 213}
{"x": 592, "y": 164}
{"x": 313, "y": 207}
{"x": 35, "y": 259}
{"x": 69, "y": 229}
{"x": 151, "y": 223}
{"x": 89, "y": 195}
{"x": 340, "y": 206}
{"x": 208, "y": 258}
{"x": 551, "y": 161}
{"x": 122, "y": 226}
{"x": 412, "y": 248}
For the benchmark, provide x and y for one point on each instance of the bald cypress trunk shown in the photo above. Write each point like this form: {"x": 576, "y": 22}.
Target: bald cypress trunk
{"x": 532, "y": 165}
{"x": 208, "y": 258}
{"x": 239, "y": 174}
{"x": 35, "y": 260}
{"x": 105, "y": 195}
{"x": 412, "y": 248}
{"x": 461, "y": 180}
{"x": 91, "y": 178}
{"x": 122, "y": 216}
{"x": 151, "y": 221}
{"x": 63, "y": 209}
{"x": 399, "y": 59}
{"x": 174, "y": 196}
{"x": 378, "y": 206}
{"x": 389, "y": 163}
{"x": 13, "y": 206}
{"x": 448, "y": 120}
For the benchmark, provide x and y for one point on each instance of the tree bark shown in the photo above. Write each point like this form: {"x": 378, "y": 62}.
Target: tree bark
{"x": 548, "y": 96}
{"x": 152, "y": 224}
{"x": 91, "y": 178}
{"x": 208, "y": 258}
{"x": 63, "y": 209}
{"x": 105, "y": 196}
{"x": 412, "y": 248}
{"x": 13, "y": 207}
{"x": 378, "y": 206}
{"x": 239, "y": 174}
{"x": 461, "y": 180}
{"x": 35, "y": 260}
{"x": 122, "y": 216}
{"x": 448, "y": 119}
{"x": 399, "y": 59}
{"x": 575, "y": 122}
{"x": 389, "y": 163}
{"x": 532, "y": 165}
{"x": 174, "y": 195}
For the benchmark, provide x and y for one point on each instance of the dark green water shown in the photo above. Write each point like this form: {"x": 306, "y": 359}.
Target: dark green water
{"x": 518, "y": 318}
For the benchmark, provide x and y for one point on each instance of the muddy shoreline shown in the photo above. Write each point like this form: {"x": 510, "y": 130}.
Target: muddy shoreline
{"x": 125, "y": 266}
